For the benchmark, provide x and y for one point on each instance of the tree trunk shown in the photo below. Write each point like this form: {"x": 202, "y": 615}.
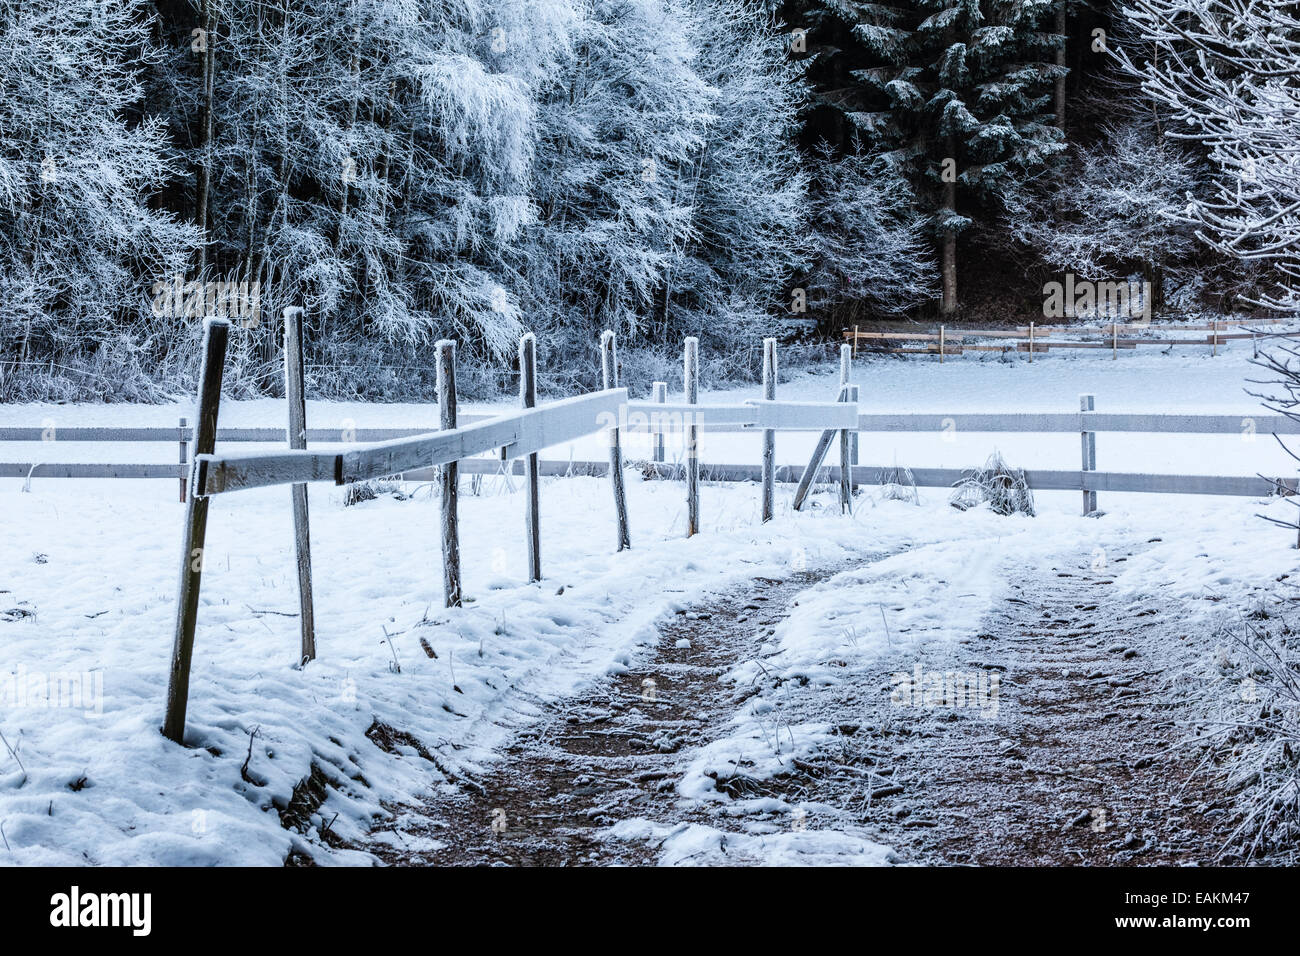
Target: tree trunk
{"x": 949, "y": 266}
{"x": 1059, "y": 107}
{"x": 1154, "y": 276}
{"x": 203, "y": 179}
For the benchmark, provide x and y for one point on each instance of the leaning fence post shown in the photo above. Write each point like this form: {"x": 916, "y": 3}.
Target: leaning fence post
{"x": 609, "y": 379}
{"x": 216, "y": 332}
{"x": 1088, "y": 445}
{"x": 659, "y": 396}
{"x": 183, "y": 454}
{"x": 691, "y": 369}
{"x": 295, "y": 392}
{"x": 815, "y": 462}
{"x": 532, "y": 501}
{"x": 769, "y": 434}
{"x": 450, "y": 474}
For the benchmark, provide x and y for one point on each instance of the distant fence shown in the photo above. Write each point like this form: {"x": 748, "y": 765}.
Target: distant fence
{"x": 1031, "y": 338}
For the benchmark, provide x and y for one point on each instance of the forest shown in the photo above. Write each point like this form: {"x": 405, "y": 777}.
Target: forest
{"x": 731, "y": 169}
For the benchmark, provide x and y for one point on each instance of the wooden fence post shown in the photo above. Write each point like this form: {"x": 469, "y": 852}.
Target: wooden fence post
{"x": 1031, "y": 341}
{"x": 216, "y": 333}
{"x": 609, "y": 379}
{"x": 295, "y": 392}
{"x": 450, "y": 475}
{"x": 532, "y": 501}
{"x": 660, "y": 397}
{"x": 691, "y": 370}
{"x": 769, "y": 434}
{"x": 845, "y": 372}
{"x": 846, "y": 461}
{"x": 853, "y": 445}
{"x": 1088, "y": 446}
{"x": 1114, "y": 341}
{"x": 941, "y": 335}
{"x": 183, "y": 457}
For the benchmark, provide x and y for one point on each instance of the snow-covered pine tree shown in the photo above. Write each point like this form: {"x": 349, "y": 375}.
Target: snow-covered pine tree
{"x": 957, "y": 93}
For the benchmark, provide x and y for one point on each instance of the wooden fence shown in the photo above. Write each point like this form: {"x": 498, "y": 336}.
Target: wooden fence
{"x": 1029, "y": 338}
{"x": 515, "y": 440}
{"x": 519, "y": 436}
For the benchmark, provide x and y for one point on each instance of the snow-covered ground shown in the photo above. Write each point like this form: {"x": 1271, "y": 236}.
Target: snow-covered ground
{"x": 88, "y": 572}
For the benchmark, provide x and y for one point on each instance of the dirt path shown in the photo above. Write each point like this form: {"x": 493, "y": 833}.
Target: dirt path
{"x": 604, "y": 756}
{"x": 1069, "y": 756}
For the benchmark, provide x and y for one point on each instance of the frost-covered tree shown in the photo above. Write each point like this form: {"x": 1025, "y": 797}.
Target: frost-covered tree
{"x": 371, "y": 159}
{"x": 1228, "y": 73}
{"x": 79, "y": 165}
{"x": 670, "y": 198}
{"x": 870, "y": 253}
{"x": 368, "y": 159}
{"x": 621, "y": 137}
{"x": 1108, "y": 211}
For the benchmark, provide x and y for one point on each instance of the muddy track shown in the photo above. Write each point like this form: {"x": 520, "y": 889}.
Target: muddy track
{"x": 603, "y": 756}
{"x": 1079, "y": 763}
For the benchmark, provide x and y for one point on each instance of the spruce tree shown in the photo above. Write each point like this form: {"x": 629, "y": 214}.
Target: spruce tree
{"x": 958, "y": 94}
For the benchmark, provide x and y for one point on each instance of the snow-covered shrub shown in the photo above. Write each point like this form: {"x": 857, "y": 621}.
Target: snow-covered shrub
{"x": 1110, "y": 209}
{"x": 1281, "y": 394}
{"x": 1004, "y": 489}
{"x": 369, "y": 490}
{"x": 898, "y": 484}
{"x": 1259, "y": 734}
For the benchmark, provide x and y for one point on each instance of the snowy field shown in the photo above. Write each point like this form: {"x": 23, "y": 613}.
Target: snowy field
{"x": 88, "y": 574}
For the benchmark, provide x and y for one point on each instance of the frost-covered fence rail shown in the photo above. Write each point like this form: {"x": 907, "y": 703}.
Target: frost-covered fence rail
{"x": 1080, "y": 421}
{"x": 519, "y": 434}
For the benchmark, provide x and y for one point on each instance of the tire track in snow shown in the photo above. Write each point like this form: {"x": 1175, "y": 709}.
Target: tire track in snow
{"x": 1083, "y": 762}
